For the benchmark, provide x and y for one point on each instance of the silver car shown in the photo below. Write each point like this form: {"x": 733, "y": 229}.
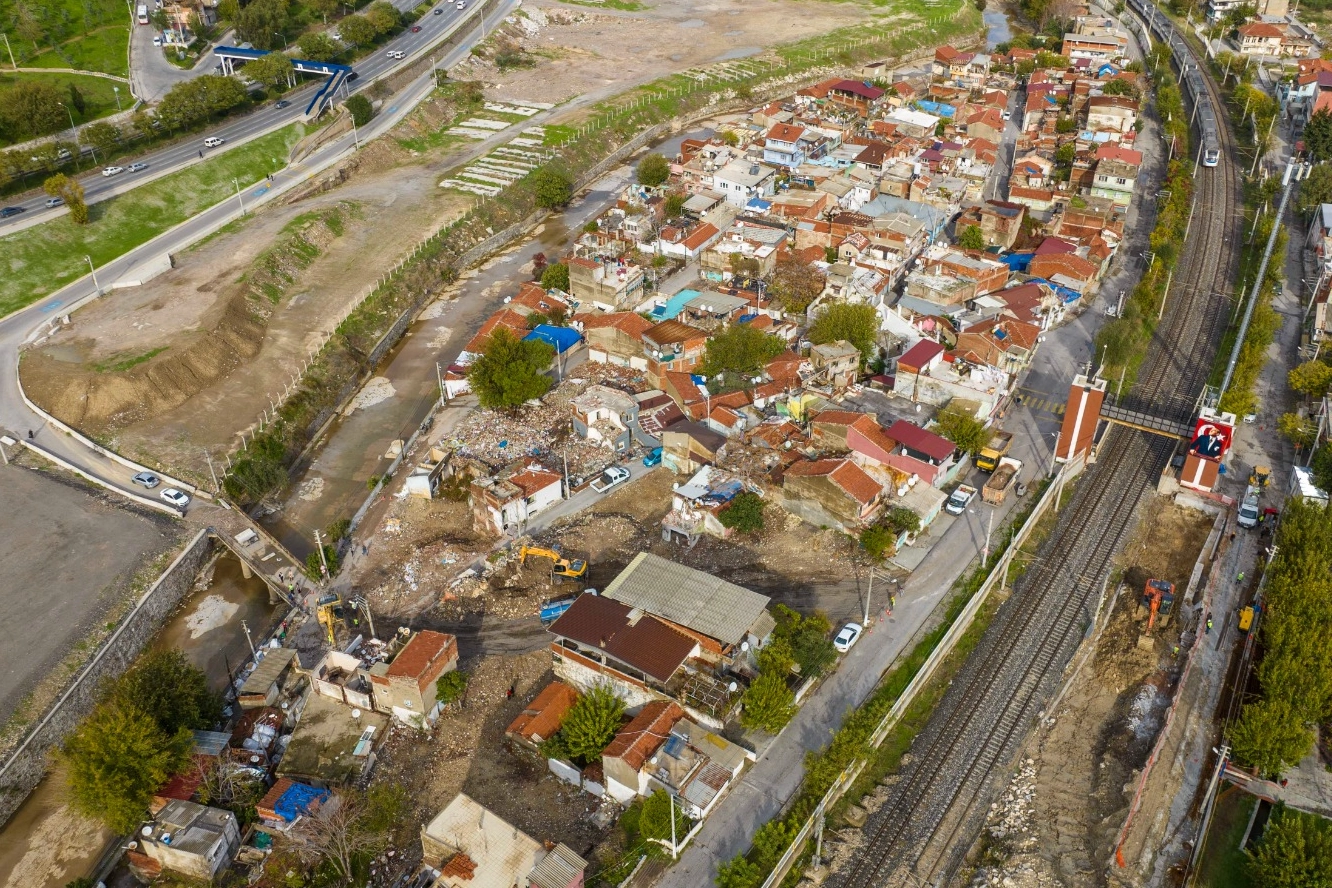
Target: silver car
{"x": 147, "y": 480}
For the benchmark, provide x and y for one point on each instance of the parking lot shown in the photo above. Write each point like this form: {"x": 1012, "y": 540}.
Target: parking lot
{"x": 67, "y": 555}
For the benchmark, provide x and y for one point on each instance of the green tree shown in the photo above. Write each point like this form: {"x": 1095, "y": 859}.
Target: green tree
{"x": 172, "y": 690}
{"x": 100, "y": 136}
{"x": 962, "y": 428}
{"x": 272, "y": 70}
{"x": 451, "y": 686}
{"x": 193, "y": 102}
{"x": 263, "y": 22}
{"x": 857, "y": 324}
{"x": 972, "y": 238}
{"x": 117, "y": 758}
{"x": 556, "y": 277}
{"x": 654, "y": 822}
{"x": 384, "y": 16}
{"x": 745, "y": 513}
{"x": 317, "y": 47}
{"x": 738, "y": 872}
{"x": 1066, "y": 152}
{"x": 807, "y": 637}
{"x": 315, "y": 566}
{"x": 511, "y": 371}
{"x": 768, "y": 702}
{"x": 228, "y": 10}
{"x": 1322, "y": 467}
{"x": 1295, "y": 851}
{"x": 71, "y": 192}
{"x": 77, "y": 101}
{"x": 143, "y": 122}
{"x": 730, "y": 138}
{"x": 1318, "y": 135}
{"x": 360, "y": 109}
{"x": 739, "y": 354}
{"x": 29, "y": 109}
{"x": 356, "y": 30}
{"x": 324, "y": 8}
{"x": 795, "y": 285}
{"x": 554, "y": 188}
{"x": 1299, "y": 430}
{"x": 1119, "y": 87}
{"x": 654, "y": 170}
{"x": 877, "y": 541}
{"x": 1065, "y": 125}
{"x": 1312, "y": 378}
{"x": 902, "y": 520}
{"x": 592, "y": 722}
{"x": 674, "y": 205}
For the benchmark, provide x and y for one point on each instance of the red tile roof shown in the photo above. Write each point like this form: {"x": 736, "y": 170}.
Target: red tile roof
{"x": 532, "y": 481}
{"x": 644, "y": 734}
{"x": 425, "y": 657}
{"x": 1110, "y": 151}
{"x": 851, "y": 478}
{"x": 645, "y": 643}
{"x": 541, "y": 718}
{"x": 627, "y": 322}
{"x": 700, "y": 236}
{"x": 786, "y": 132}
{"x": 920, "y": 354}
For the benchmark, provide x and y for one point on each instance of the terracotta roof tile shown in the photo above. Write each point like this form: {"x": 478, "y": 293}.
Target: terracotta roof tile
{"x": 541, "y": 718}
{"x": 645, "y": 733}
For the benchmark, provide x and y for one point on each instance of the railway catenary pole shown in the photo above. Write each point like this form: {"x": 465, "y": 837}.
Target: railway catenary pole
{"x": 1288, "y": 182}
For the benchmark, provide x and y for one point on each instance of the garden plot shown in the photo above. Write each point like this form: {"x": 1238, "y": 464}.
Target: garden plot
{"x": 491, "y": 174}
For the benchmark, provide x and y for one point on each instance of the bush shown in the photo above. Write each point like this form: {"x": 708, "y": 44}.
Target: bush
{"x": 556, "y": 277}
{"x": 511, "y": 371}
{"x": 653, "y": 170}
{"x": 360, "y": 109}
{"x": 592, "y": 722}
{"x": 745, "y": 513}
{"x": 878, "y": 541}
{"x": 451, "y": 686}
{"x": 554, "y": 189}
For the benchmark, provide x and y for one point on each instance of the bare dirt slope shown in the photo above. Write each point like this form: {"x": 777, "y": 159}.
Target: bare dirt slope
{"x": 1060, "y": 820}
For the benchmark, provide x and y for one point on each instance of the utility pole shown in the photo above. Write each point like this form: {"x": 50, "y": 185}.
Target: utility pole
{"x": 675, "y": 852}
{"x": 868, "y": 592}
{"x": 11, "y": 51}
{"x": 241, "y": 199}
{"x": 217, "y": 488}
{"x": 246, "y": 627}
{"x": 439, "y": 377}
{"x": 989, "y": 528}
{"x": 319, "y": 544}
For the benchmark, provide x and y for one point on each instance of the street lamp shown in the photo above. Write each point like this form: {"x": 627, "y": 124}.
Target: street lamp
{"x": 116, "y": 90}
{"x": 93, "y": 271}
{"x": 284, "y": 39}
{"x": 239, "y": 198}
{"x": 72, "y": 134}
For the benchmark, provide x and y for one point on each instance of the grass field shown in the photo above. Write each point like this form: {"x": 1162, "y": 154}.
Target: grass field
{"x": 104, "y": 49}
{"x": 42, "y": 259}
{"x": 1223, "y": 864}
{"x": 87, "y": 34}
{"x": 98, "y": 92}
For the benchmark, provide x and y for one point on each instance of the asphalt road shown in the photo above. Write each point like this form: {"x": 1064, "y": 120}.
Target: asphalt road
{"x": 151, "y": 75}
{"x": 264, "y": 119}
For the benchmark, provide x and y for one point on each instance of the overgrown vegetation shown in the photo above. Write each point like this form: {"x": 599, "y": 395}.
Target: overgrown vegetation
{"x": 1295, "y": 851}
{"x": 744, "y": 513}
{"x": 511, "y": 371}
{"x": 591, "y": 724}
{"x": 137, "y": 737}
{"x": 1295, "y": 672}
{"x": 769, "y": 703}
{"x": 1123, "y": 340}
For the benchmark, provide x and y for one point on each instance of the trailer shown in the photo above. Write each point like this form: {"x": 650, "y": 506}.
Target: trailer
{"x": 994, "y": 450}
{"x": 1004, "y": 477}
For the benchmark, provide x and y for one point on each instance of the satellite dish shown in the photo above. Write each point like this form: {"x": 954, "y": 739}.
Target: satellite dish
{"x": 744, "y": 645}
{"x": 356, "y": 713}
{"x": 732, "y": 687}
{"x": 147, "y": 831}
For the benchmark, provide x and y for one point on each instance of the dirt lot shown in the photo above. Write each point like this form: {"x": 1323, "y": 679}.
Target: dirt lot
{"x": 596, "y": 53}
{"x": 1058, "y": 823}
{"x": 67, "y": 554}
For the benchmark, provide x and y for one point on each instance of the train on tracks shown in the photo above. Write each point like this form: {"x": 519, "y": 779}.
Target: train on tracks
{"x": 1195, "y": 88}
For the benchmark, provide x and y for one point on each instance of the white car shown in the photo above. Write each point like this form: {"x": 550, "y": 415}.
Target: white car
{"x": 461, "y": 4}
{"x": 213, "y": 142}
{"x": 612, "y": 477}
{"x": 176, "y": 497}
{"x": 113, "y": 171}
{"x": 849, "y": 635}
{"x": 396, "y": 54}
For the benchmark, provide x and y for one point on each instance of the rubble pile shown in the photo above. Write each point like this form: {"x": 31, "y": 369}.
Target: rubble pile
{"x": 497, "y": 437}
{"x": 1010, "y": 833}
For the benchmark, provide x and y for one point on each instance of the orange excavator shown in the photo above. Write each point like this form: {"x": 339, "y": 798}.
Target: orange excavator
{"x": 1158, "y": 598}
{"x": 562, "y": 566}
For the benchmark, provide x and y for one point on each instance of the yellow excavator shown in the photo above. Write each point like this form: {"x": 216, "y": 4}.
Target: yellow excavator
{"x": 562, "y": 567}
{"x": 326, "y": 612}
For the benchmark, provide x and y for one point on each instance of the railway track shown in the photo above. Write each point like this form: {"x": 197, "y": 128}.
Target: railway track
{"x": 922, "y": 833}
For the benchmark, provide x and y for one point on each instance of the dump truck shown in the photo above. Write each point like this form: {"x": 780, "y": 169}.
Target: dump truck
{"x": 995, "y": 450}
{"x": 957, "y": 502}
{"x": 1003, "y": 477}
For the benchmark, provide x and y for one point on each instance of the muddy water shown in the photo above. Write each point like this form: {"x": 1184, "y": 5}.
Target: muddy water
{"x": 997, "y": 28}
{"x": 45, "y": 844}
{"x": 335, "y": 484}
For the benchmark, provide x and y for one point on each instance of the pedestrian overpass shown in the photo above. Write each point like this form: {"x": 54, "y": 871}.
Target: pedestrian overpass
{"x": 233, "y": 56}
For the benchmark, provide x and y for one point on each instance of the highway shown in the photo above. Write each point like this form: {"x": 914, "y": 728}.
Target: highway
{"x": 26, "y": 325}
{"x": 264, "y": 119}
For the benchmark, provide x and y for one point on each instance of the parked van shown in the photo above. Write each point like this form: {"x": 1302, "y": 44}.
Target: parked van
{"x": 213, "y": 142}
{"x": 1248, "y": 510}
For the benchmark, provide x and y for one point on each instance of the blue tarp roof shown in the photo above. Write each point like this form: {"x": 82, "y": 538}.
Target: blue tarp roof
{"x": 758, "y": 204}
{"x": 1017, "y": 261}
{"x": 1064, "y": 292}
{"x": 297, "y": 799}
{"x": 939, "y": 109}
{"x": 560, "y": 338}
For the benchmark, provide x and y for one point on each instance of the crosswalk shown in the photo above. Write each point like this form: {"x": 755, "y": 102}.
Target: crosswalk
{"x": 1042, "y": 402}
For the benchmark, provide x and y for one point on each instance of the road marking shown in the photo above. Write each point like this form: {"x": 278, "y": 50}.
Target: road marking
{"x": 52, "y": 306}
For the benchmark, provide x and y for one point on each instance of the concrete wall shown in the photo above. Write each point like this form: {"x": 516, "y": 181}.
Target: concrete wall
{"x": 23, "y": 769}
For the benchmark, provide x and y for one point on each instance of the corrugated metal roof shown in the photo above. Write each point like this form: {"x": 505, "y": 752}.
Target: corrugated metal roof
{"x": 692, "y": 598}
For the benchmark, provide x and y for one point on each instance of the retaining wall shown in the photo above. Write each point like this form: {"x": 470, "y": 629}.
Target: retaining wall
{"x": 25, "y": 767}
